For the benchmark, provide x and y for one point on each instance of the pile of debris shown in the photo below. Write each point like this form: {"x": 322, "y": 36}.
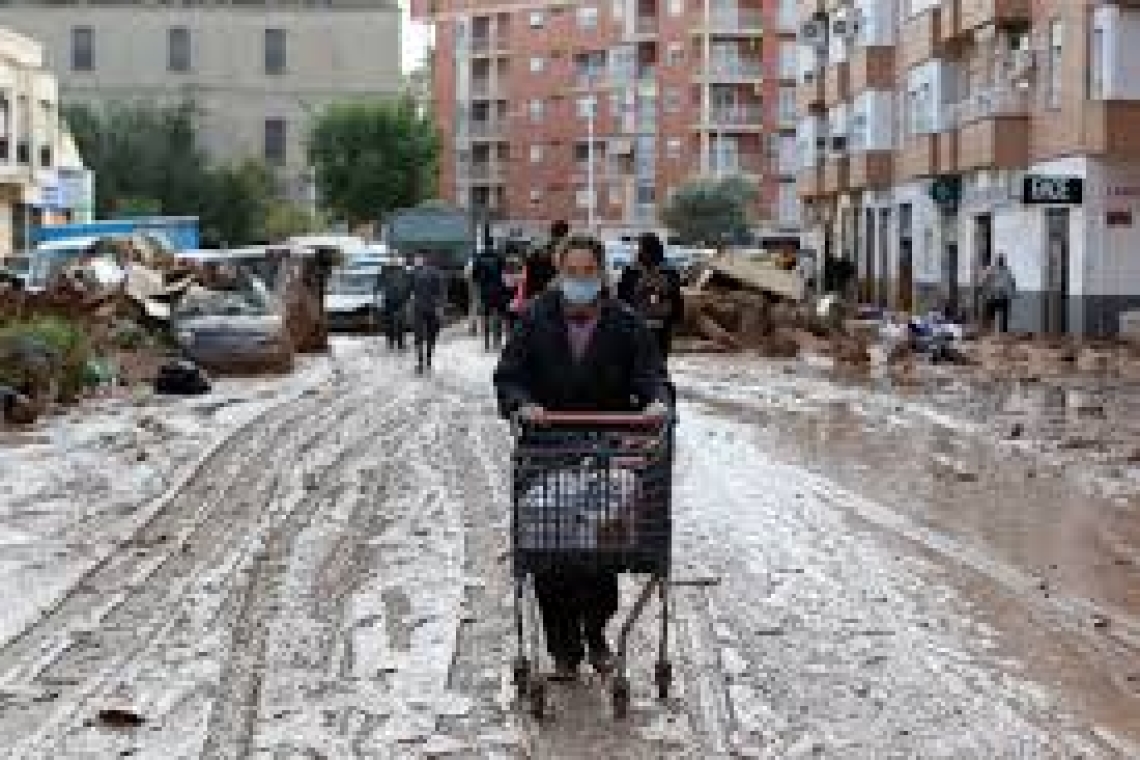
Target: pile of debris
{"x": 756, "y": 304}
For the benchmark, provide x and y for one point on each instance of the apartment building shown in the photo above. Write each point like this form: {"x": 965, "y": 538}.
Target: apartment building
{"x": 258, "y": 70}
{"x": 936, "y": 135}
{"x": 596, "y": 111}
{"x": 41, "y": 176}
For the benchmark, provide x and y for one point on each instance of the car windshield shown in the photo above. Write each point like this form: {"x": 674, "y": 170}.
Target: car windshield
{"x": 353, "y": 283}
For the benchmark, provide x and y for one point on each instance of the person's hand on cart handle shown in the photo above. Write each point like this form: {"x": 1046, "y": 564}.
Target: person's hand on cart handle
{"x": 529, "y": 413}
{"x": 658, "y": 410}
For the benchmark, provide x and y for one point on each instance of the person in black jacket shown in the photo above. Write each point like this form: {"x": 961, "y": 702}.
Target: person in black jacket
{"x": 540, "y": 268}
{"x": 427, "y": 296}
{"x": 488, "y": 273}
{"x": 653, "y": 290}
{"x": 575, "y": 349}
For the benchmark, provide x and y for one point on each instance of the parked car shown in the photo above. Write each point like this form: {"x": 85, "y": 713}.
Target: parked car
{"x": 353, "y": 301}
{"x": 16, "y": 269}
{"x": 239, "y": 329}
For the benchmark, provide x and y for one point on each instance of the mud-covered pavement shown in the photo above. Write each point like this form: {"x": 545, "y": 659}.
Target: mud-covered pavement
{"x": 333, "y": 581}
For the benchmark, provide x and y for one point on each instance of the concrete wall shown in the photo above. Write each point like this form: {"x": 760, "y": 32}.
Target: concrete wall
{"x": 332, "y": 54}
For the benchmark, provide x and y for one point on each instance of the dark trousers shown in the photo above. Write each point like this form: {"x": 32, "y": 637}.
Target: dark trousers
{"x": 576, "y": 605}
{"x": 664, "y": 337}
{"x": 425, "y": 328}
{"x": 999, "y": 313}
{"x": 394, "y": 328}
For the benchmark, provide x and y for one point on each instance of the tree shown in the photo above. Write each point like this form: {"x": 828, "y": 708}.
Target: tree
{"x": 147, "y": 160}
{"x": 710, "y": 212}
{"x": 374, "y": 157}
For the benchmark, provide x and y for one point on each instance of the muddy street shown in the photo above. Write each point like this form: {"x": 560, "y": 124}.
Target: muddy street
{"x": 333, "y": 580}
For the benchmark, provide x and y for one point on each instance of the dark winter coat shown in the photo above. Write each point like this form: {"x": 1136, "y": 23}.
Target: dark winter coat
{"x": 539, "y": 271}
{"x": 396, "y": 287}
{"x": 487, "y": 272}
{"x": 627, "y": 292}
{"x": 622, "y": 370}
{"x": 427, "y": 290}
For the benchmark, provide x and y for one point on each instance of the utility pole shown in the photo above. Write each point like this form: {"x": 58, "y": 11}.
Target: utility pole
{"x": 590, "y": 163}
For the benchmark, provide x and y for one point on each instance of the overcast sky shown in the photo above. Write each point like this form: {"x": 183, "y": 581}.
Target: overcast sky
{"x": 416, "y": 39}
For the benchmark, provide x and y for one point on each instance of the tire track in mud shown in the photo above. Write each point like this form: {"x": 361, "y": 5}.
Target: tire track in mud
{"x": 146, "y": 585}
{"x": 236, "y": 713}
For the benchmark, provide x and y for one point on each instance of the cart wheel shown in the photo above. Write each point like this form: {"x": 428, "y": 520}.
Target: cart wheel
{"x": 621, "y": 697}
{"x": 536, "y": 693}
{"x": 521, "y": 676}
{"x": 663, "y": 677}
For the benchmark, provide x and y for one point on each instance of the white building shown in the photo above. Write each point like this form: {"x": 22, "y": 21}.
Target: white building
{"x": 40, "y": 169}
{"x": 258, "y": 71}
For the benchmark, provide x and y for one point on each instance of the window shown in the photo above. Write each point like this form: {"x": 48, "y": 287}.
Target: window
{"x": 536, "y": 196}
{"x": 646, "y": 194}
{"x": 587, "y": 105}
{"x": 582, "y": 198}
{"x": 274, "y": 51}
{"x": 275, "y": 142}
{"x": 676, "y": 7}
{"x": 588, "y": 17}
{"x": 673, "y": 148}
{"x": 537, "y": 19}
{"x": 581, "y": 153}
{"x": 676, "y": 54}
{"x": 82, "y": 48}
{"x": 673, "y": 99}
{"x": 1096, "y": 64}
{"x": 1056, "y": 59}
{"x": 536, "y": 110}
{"x": 178, "y": 49}
{"x": 537, "y": 64}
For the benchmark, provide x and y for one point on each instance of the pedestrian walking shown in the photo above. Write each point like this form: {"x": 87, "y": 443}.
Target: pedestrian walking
{"x": 577, "y": 350}
{"x": 396, "y": 288}
{"x": 540, "y": 269}
{"x": 998, "y": 289}
{"x": 488, "y": 274}
{"x": 427, "y": 310}
{"x": 653, "y": 290}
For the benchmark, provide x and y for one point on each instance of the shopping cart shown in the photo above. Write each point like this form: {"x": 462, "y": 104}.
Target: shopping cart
{"x": 591, "y": 491}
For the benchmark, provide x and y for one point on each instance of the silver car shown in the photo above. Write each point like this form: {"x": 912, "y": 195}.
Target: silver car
{"x": 353, "y": 301}
{"x": 236, "y": 331}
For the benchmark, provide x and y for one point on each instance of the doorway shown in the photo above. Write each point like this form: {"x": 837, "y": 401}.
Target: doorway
{"x": 867, "y": 260}
{"x": 884, "y": 289}
{"x": 983, "y": 257}
{"x": 904, "y": 298}
{"x": 1055, "y": 319}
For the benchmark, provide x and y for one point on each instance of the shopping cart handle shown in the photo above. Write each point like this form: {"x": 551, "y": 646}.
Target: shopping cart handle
{"x": 598, "y": 419}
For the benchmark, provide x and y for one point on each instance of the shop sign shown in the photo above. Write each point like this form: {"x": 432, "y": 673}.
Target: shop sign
{"x": 1036, "y": 189}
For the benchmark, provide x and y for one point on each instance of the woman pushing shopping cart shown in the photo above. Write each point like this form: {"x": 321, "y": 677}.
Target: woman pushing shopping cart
{"x": 590, "y": 398}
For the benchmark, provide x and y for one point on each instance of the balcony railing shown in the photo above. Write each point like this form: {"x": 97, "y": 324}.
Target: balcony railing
{"x": 751, "y": 164}
{"x": 733, "y": 70}
{"x": 484, "y": 87}
{"x": 742, "y": 116}
{"x": 735, "y": 20}
{"x": 488, "y": 128}
{"x": 487, "y": 43}
{"x": 646, "y": 25}
{"x": 990, "y": 104}
{"x": 486, "y": 170}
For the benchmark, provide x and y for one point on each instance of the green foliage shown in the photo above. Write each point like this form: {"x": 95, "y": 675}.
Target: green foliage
{"x": 66, "y": 340}
{"x": 709, "y": 212}
{"x": 372, "y": 158}
{"x": 147, "y": 160}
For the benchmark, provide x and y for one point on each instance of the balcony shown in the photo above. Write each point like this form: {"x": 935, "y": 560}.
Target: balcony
{"x": 744, "y": 118}
{"x": 920, "y": 38}
{"x": 488, "y": 45}
{"x": 871, "y": 170}
{"x": 836, "y": 174}
{"x": 487, "y": 172}
{"x": 1110, "y": 129}
{"x": 486, "y": 87}
{"x": 734, "y": 22}
{"x": 732, "y": 71}
{"x": 918, "y": 157}
{"x": 809, "y": 182}
{"x": 993, "y": 129}
{"x": 645, "y": 26}
{"x": 809, "y": 92}
{"x": 873, "y": 68}
{"x": 490, "y": 129}
{"x": 836, "y": 84}
{"x": 751, "y": 165}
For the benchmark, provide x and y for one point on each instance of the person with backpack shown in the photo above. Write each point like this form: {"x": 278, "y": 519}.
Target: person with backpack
{"x": 653, "y": 290}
